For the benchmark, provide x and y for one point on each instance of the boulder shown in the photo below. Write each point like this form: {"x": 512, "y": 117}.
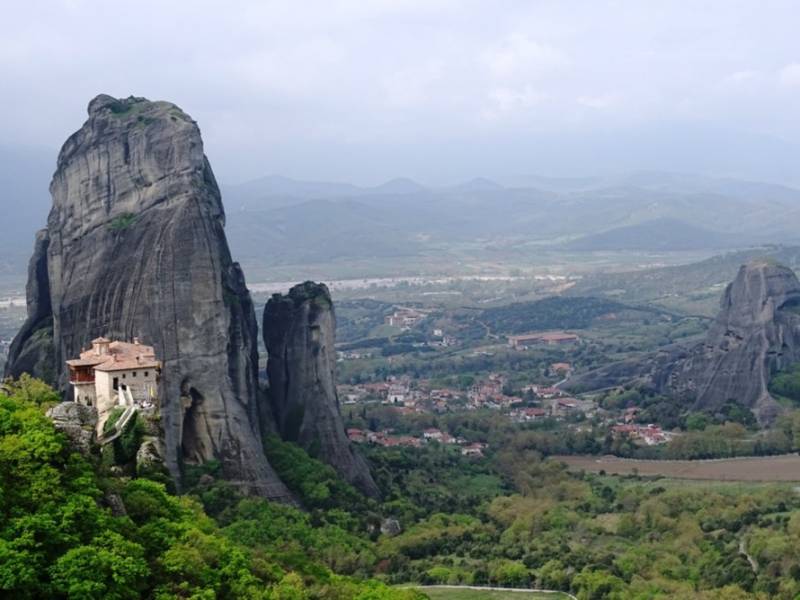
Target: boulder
{"x": 78, "y": 423}
{"x": 149, "y": 456}
{"x": 391, "y": 527}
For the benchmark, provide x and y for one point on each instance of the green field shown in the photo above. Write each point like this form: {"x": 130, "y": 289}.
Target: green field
{"x": 443, "y": 593}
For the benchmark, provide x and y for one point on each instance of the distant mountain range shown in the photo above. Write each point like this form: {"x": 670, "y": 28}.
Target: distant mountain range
{"x": 285, "y": 221}
{"x": 695, "y": 287}
{"x": 659, "y": 234}
{"x": 276, "y": 220}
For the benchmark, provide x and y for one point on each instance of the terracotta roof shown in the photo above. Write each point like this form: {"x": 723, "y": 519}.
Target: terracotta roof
{"x": 101, "y": 340}
{"x": 127, "y": 365}
{"x": 87, "y": 362}
{"x": 121, "y": 356}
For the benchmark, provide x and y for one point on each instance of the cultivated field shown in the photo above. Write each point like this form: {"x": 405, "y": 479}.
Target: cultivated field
{"x": 466, "y": 593}
{"x": 761, "y": 468}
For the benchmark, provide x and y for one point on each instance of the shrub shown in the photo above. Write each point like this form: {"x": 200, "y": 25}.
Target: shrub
{"x": 123, "y": 221}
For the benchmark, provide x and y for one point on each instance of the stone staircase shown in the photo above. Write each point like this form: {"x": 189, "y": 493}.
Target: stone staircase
{"x": 119, "y": 426}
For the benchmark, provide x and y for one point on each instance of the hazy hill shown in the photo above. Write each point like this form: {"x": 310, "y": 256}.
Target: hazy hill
{"x": 478, "y": 184}
{"x": 400, "y": 185}
{"x": 278, "y": 220}
{"x": 659, "y": 234}
{"x": 694, "y": 287}
{"x": 317, "y": 231}
{"x": 275, "y": 190}
{"x": 662, "y": 212}
{"x": 259, "y": 192}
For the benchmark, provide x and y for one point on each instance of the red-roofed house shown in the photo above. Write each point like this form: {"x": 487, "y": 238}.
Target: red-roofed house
{"x": 113, "y": 373}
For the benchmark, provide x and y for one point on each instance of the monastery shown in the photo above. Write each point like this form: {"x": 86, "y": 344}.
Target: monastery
{"x": 113, "y": 373}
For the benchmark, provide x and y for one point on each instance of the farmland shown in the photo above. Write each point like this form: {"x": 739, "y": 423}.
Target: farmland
{"x": 785, "y": 467}
{"x": 443, "y": 592}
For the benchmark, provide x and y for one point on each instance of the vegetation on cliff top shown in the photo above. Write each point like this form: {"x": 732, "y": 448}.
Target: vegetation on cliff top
{"x": 59, "y": 537}
{"x": 511, "y": 519}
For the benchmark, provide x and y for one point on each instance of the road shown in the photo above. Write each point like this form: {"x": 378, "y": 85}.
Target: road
{"x": 563, "y": 381}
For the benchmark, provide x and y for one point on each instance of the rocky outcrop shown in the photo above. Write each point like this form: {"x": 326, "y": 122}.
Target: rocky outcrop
{"x": 299, "y": 335}
{"x": 149, "y": 456}
{"x": 755, "y": 334}
{"x": 32, "y": 350}
{"x": 135, "y": 246}
{"x": 78, "y": 423}
{"x": 391, "y": 527}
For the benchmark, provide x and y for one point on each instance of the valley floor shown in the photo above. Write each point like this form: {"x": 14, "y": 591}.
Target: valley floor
{"x": 785, "y": 467}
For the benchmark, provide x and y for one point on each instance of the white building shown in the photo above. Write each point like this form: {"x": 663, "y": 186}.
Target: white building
{"x": 433, "y": 434}
{"x": 396, "y": 394}
{"x": 111, "y": 374}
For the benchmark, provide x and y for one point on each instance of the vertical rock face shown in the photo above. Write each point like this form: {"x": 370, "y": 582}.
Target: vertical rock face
{"x": 32, "y": 350}
{"x": 299, "y": 335}
{"x": 135, "y": 246}
{"x": 756, "y": 333}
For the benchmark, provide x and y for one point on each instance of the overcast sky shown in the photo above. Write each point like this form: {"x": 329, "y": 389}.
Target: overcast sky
{"x": 436, "y": 90}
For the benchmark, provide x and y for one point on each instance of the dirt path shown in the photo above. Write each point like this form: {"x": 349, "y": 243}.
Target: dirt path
{"x": 750, "y": 559}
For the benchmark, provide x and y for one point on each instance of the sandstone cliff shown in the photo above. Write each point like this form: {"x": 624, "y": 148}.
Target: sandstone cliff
{"x": 299, "y": 331}
{"x": 135, "y": 246}
{"x": 32, "y": 350}
{"x": 756, "y": 333}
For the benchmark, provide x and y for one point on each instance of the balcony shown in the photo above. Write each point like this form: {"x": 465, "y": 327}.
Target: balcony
{"x": 81, "y": 375}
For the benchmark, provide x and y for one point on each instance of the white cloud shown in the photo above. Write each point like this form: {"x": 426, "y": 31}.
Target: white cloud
{"x": 261, "y": 76}
{"x": 506, "y": 100}
{"x": 789, "y": 76}
{"x": 519, "y": 56}
{"x": 741, "y": 77}
{"x": 600, "y": 102}
{"x": 410, "y": 87}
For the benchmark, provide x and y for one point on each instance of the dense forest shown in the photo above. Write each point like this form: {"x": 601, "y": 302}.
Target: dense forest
{"x": 74, "y": 526}
{"x": 557, "y": 313}
{"x": 70, "y": 528}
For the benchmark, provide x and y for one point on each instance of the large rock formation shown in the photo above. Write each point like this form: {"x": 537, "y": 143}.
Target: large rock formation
{"x": 135, "y": 246}
{"x": 32, "y": 350}
{"x": 756, "y": 333}
{"x": 299, "y": 335}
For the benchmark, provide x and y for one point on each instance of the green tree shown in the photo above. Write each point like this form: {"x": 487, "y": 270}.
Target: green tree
{"x": 111, "y": 567}
{"x": 597, "y": 585}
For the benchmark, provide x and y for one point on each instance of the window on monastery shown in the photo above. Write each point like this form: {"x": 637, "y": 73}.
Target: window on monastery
{"x": 146, "y": 373}
{"x": 133, "y": 374}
